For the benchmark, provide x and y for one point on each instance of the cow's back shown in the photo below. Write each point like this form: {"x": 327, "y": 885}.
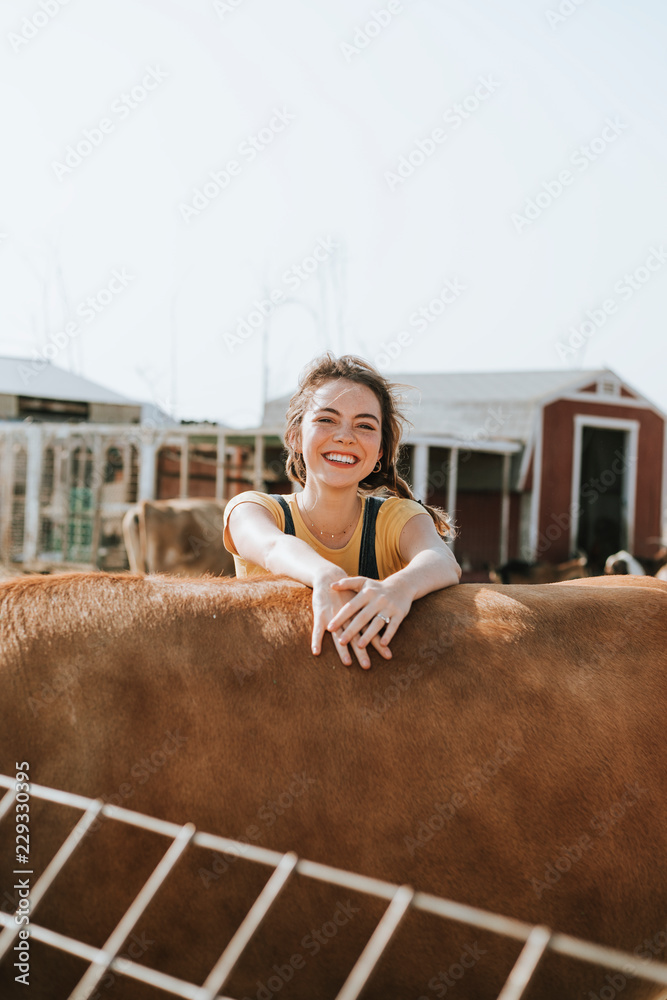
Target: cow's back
{"x": 511, "y": 755}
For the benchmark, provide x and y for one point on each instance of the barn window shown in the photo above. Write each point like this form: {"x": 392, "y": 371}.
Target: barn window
{"x": 609, "y": 387}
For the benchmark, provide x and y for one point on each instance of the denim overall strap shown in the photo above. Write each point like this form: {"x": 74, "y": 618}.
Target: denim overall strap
{"x": 289, "y": 523}
{"x": 367, "y": 562}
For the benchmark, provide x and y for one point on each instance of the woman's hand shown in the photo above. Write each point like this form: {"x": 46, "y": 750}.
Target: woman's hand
{"x": 329, "y": 603}
{"x": 357, "y": 621}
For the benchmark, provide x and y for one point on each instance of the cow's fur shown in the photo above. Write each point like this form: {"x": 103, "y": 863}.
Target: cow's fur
{"x": 516, "y": 728}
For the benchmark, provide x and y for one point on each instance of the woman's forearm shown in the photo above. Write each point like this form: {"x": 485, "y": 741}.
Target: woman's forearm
{"x": 295, "y": 558}
{"x": 428, "y": 571}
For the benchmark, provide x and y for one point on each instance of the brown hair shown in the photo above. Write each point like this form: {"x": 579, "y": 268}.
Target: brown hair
{"x": 327, "y": 367}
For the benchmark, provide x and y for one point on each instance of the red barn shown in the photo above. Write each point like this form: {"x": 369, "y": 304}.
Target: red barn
{"x": 588, "y": 474}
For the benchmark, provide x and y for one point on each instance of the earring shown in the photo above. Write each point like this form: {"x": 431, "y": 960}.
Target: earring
{"x": 378, "y": 466}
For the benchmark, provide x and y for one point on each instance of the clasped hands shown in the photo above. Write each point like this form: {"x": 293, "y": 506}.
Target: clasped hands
{"x": 348, "y": 608}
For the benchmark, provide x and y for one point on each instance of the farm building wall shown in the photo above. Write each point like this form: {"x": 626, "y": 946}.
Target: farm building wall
{"x": 555, "y": 541}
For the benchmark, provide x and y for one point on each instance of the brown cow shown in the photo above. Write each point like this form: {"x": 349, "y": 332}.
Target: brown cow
{"x": 182, "y": 536}
{"x": 517, "y": 571}
{"x": 512, "y": 755}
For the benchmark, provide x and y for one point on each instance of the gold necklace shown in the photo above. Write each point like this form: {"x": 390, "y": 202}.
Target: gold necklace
{"x": 355, "y": 518}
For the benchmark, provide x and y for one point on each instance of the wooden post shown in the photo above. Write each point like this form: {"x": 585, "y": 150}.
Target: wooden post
{"x": 220, "y": 469}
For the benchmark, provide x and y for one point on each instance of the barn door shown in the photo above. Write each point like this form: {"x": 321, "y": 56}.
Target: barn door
{"x": 605, "y": 488}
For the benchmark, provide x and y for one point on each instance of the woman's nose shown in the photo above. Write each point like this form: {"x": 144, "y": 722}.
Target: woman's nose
{"x": 344, "y": 434}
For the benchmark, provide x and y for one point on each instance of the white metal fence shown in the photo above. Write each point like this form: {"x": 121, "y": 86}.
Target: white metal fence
{"x": 64, "y": 488}
{"x": 537, "y": 939}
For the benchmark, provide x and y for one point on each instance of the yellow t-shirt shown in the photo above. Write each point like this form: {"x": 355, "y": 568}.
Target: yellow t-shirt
{"x": 392, "y": 516}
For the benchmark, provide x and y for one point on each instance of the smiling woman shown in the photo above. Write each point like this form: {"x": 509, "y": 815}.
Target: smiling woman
{"x": 356, "y": 534}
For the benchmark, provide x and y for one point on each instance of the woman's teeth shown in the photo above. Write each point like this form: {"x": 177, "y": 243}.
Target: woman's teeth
{"x": 340, "y": 460}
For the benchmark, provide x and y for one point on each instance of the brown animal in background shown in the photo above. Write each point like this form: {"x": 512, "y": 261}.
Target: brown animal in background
{"x": 517, "y": 571}
{"x": 183, "y": 537}
{"x": 512, "y": 755}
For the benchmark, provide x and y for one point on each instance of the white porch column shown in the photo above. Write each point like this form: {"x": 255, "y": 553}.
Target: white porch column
{"x": 258, "y": 472}
{"x": 505, "y": 511}
{"x": 452, "y": 486}
{"x": 7, "y": 495}
{"x": 185, "y": 462}
{"x": 99, "y": 467}
{"x": 147, "y": 466}
{"x": 32, "y": 487}
{"x": 61, "y": 495}
{"x": 420, "y": 471}
{"x": 220, "y": 468}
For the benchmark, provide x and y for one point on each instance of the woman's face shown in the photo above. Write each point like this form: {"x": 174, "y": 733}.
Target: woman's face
{"x": 341, "y": 433}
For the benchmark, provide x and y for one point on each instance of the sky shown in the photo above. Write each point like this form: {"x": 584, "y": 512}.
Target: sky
{"x": 202, "y": 195}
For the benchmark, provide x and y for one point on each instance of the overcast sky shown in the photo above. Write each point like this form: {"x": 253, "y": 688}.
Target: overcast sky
{"x": 437, "y": 185}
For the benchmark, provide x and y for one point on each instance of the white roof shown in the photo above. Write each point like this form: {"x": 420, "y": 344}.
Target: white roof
{"x": 470, "y": 406}
{"x": 19, "y": 377}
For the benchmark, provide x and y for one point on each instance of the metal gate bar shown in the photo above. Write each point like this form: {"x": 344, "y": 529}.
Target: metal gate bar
{"x": 63, "y": 855}
{"x": 114, "y": 943}
{"x": 537, "y": 940}
{"x": 124, "y": 966}
{"x": 377, "y": 944}
{"x": 225, "y": 965}
{"x": 6, "y": 804}
{"x": 526, "y": 964}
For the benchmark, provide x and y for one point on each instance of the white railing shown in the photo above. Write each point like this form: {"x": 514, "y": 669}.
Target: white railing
{"x": 537, "y": 939}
